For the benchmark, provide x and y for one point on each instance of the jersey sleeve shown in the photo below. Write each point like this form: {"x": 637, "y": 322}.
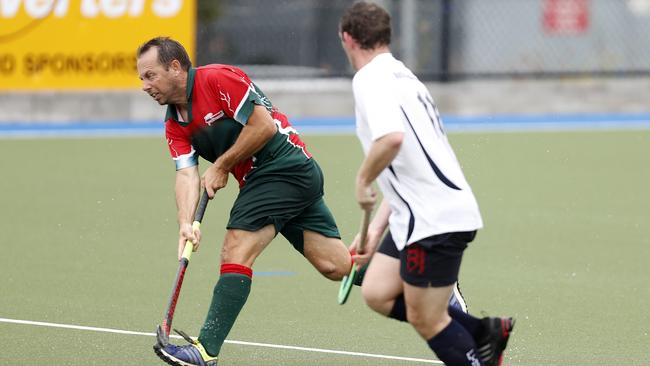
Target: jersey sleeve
{"x": 180, "y": 146}
{"x": 376, "y": 101}
{"x": 237, "y": 93}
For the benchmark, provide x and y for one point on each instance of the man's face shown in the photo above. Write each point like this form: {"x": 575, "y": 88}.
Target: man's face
{"x": 158, "y": 82}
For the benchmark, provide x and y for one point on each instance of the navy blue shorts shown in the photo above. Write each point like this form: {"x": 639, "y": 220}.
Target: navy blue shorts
{"x": 433, "y": 261}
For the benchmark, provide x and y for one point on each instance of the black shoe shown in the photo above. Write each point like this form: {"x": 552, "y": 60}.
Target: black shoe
{"x": 494, "y": 339}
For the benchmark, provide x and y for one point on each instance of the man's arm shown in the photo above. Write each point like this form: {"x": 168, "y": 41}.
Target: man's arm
{"x": 259, "y": 129}
{"x": 379, "y": 222}
{"x": 187, "y": 195}
{"x": 381, "y": 154}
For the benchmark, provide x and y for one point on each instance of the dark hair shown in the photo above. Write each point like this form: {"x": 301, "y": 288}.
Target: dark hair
{"x": 168, "y": 51}
{"x": 368, "y": 24}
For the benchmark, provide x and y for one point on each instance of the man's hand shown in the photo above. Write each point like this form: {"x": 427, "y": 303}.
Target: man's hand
{"x": 372, "y": 242}
{"x": 214, "y": 179}
{"x": 186, "y": 233}
{"x": 366, "y": 196}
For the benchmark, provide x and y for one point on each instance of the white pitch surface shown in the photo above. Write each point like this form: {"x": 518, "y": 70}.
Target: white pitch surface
{"x": 242, "y": 343}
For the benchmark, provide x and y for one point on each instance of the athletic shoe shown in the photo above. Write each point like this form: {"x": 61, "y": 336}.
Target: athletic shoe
{"x": 457, "y": 301}
{"x": 494, "y": 339}
{"x": 192, "y": 354}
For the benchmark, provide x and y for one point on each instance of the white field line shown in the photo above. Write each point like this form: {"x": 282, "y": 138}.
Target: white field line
{"x": 254, "y": 344}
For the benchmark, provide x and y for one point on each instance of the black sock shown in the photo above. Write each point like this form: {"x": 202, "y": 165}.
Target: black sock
{"x": 455, "y": 346}
{"x": 399, "y": 309}
{"x": 472, "y": 324}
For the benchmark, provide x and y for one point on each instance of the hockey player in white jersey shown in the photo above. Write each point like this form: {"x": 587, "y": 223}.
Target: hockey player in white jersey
{"x": 428, "y": 215}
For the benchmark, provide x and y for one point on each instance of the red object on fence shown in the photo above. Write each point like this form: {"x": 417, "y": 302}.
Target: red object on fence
{"x": 566, "y": 16}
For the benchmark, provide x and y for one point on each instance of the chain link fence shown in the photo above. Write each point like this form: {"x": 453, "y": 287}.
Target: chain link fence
{"x": 532, "y": 37}
{"x": 438, "y": 39}
{"x": 281, "y": 38}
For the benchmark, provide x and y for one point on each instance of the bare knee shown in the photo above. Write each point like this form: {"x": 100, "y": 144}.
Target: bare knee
{"x": 425, "y": 322}
{"x": 230, "y": 254}
{"x": 328, "y": 255}
{"x": 377, "y": 300}
{"x": 382, "y": 284}
{"x": 243, "y": 247}
{"x": 331, "y": 270}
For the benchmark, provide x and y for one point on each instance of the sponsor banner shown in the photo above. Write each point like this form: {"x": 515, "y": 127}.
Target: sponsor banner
{"x": 84, "y": 44}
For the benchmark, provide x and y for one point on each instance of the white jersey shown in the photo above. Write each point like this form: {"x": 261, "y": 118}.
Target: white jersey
{"x": 424, "y": 184}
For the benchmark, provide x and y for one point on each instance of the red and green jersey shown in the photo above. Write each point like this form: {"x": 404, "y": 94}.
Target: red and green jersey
{"x": 220, "y": 99}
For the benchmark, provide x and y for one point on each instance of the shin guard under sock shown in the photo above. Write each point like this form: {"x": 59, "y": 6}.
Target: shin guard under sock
{"x": 229, "y": 296}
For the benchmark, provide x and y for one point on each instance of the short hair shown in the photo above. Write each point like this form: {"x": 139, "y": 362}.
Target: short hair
{"x": 368, "y": 24}
{"x": 168, "y": 51}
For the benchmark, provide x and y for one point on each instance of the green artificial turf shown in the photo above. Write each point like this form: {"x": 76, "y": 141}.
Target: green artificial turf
{"x": 89, "y": 238}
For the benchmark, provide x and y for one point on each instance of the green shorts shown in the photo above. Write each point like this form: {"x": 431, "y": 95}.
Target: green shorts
{"x": 291, "y": 202}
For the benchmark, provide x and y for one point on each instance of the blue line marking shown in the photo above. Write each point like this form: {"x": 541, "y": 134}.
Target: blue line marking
{"x": 346, "y": 125}
{"x": 273, "y": 274}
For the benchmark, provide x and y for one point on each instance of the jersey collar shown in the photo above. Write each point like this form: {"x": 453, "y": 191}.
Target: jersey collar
{"x": 172, "y": 113}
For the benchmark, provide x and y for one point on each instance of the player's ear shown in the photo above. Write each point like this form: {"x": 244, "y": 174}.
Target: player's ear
{"x": 347, "y": 39}
{"x": 176, "y": 67}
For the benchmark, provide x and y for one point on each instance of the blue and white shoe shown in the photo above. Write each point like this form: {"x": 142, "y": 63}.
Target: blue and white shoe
{"x": 457, "y": 301}
{"x": 192, "y": 354}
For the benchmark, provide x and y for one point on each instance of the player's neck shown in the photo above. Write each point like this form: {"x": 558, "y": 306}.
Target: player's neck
{"x": 180, "y": 92}
{"x": 364, "y": 57}
{"x": 181, "y": 104}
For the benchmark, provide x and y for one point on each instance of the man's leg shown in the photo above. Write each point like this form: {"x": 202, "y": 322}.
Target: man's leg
{"x": 240, "y": 249}
{"x": 385, "y": 293}
{"x": 427, "y": 308}
{"x": 427, "y": 312}
{"x": 382, "y": 287}
{"x": 429, "y": 269}
{"x": 391, "y": 303}
{"x": 328, "y": 255}
{"x": 314, "y": 234}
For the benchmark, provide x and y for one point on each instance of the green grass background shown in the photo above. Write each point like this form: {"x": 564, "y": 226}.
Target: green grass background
{"x": 89, "y": 238}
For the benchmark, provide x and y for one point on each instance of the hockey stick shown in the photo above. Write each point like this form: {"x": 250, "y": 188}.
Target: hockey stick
{"x": 348, "y": 281}
{"x": 162, "y": 332}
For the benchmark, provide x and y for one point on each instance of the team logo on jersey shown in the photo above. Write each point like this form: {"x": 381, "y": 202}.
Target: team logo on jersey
{"x": 211, "y": 117}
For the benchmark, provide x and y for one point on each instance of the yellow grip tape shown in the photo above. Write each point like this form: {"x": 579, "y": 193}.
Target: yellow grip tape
{"x": 187, "y": 252}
